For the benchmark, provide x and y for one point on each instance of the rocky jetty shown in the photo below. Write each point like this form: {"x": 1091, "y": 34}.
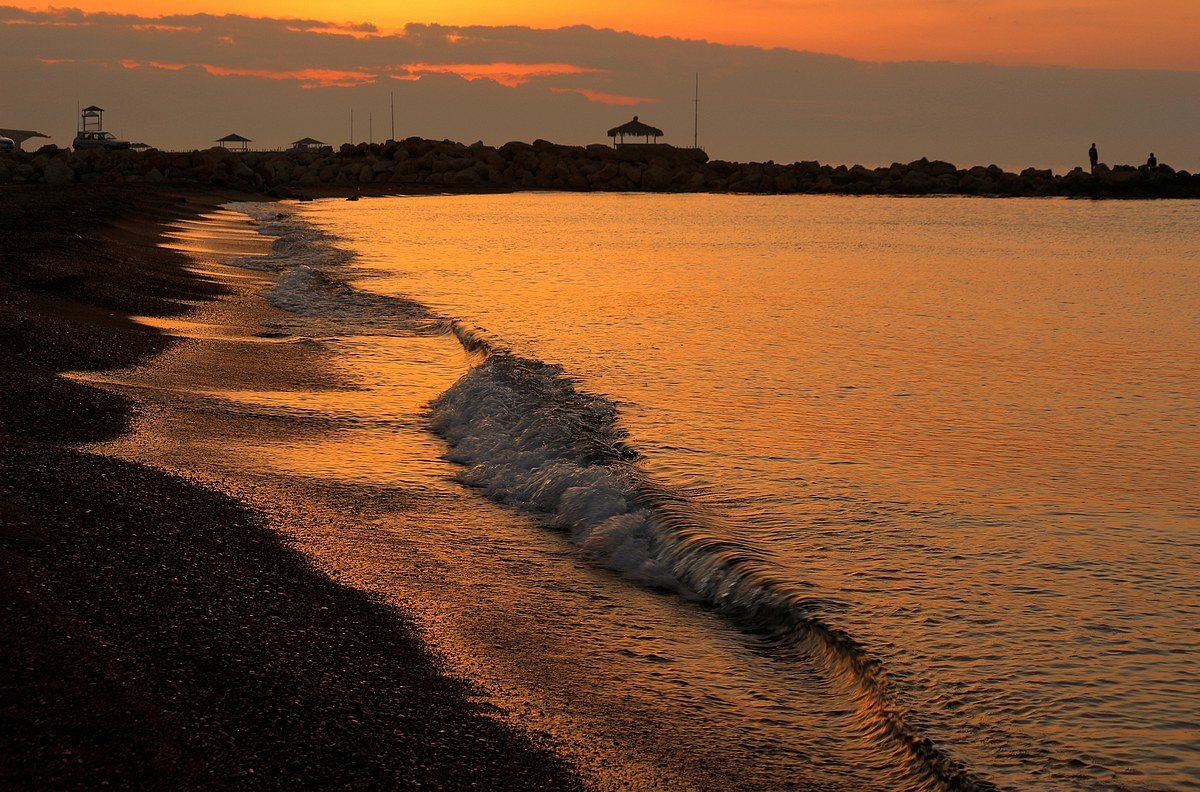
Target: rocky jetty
{"x": 417, "y": 162}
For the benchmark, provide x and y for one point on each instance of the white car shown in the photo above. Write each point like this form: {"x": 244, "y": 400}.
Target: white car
{"x": 7, "y": 144}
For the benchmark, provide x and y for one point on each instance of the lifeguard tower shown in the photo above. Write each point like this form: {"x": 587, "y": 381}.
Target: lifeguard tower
{"x": 93, "y": 119}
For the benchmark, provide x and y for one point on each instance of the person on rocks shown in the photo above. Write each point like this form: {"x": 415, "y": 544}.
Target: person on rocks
{"x": 1093, "y": 157}
{"x": 1152, "y": 163}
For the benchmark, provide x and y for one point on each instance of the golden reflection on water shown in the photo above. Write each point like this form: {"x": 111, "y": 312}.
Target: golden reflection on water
{"x": 327, "y": 436}
{"x": 973, "y": 423}
{"x": 960, "y": 344}
{"x": 969, "y": 425}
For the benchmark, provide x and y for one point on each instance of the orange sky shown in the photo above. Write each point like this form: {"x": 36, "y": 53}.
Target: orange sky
{"x": 1151, "y": 34}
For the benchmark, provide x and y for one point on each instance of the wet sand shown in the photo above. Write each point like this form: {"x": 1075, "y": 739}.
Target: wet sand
{"x": 158, "y": 634}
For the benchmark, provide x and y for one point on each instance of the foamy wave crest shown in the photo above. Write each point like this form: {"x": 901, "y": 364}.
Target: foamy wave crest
{"x": 327, "y": 297}
{"x": 528, "y": 437}
{"x": 294, "y": 242}
{"x": 309, "y": 263}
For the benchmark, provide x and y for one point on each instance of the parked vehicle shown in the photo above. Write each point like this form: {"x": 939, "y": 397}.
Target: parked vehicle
{"x": 7, "y": 144}
{"x": 99, "y": 140}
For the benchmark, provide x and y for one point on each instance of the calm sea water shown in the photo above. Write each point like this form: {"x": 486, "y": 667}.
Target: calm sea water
{"x": 781, "y": 491}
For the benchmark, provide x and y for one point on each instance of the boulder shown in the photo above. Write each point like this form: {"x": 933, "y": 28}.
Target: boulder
{"x": 940, "y": 168}
{"x": 58, "y": 171}
{"x": 786, "y": 182}
{"x": 657, "y": 177}
{"x": 918, "y": 182}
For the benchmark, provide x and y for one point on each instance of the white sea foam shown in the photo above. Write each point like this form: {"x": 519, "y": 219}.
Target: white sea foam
{"x": 312, "y": 280}
{"x": 295, "y": 243}
{"x": 525, "y": 435}
{"x": 528, "y": 438}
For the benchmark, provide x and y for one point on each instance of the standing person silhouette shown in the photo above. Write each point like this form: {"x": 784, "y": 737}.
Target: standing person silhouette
{"x": 1153, "y": 161}
{"x": 1093, "y": 157}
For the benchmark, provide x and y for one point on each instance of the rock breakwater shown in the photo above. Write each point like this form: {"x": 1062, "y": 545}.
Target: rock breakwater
{"x": 417, "y": 162}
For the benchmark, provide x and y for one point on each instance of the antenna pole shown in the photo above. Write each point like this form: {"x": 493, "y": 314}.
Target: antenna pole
{"x": 393, "y": 115}
{"x": 370, "y": 127}
{"x": 696, "y": 116}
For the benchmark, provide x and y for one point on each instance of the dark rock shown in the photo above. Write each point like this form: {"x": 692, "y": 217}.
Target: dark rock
{"x": 58, "y": 171}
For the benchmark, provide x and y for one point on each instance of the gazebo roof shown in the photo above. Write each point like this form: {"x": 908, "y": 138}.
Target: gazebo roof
{"x": 234, "y": 138}
{"x": 93, "y": 109}
{"x": 635, "y": 128}
{"x": 24, "y": 134}
{"x": 307, "y": 142}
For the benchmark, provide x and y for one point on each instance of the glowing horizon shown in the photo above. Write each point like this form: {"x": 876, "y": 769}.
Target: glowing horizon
{"x": 1158, "y": 35}
{"x": 164, "y": 76}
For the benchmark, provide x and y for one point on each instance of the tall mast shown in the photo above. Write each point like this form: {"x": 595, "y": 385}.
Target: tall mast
{"x": 393, "y": 115}
{"x": 696, "y": 118}
{"x": 351, "y": 126}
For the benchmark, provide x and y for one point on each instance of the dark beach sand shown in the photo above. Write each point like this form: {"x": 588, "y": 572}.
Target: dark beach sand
{"x": 157, "y": 634}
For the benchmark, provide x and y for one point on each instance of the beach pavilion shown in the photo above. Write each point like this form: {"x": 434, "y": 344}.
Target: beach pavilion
{"x": 234, "y": 142}
{"x": 306, "y": 144}
{"x": 636, "y": 129}
{"x": 19, "y": 136}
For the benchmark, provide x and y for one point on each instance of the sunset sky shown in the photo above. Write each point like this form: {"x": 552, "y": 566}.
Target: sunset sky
{"x": 1011, "y": 82}
{"x": 1151, "y": 34}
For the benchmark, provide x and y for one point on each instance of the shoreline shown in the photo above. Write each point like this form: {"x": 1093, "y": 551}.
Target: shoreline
{"x": 160, "y": 634}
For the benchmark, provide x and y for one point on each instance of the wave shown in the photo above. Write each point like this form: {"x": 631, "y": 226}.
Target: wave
{"x": 526, "y": 435}
{"x": 294, "y": 242}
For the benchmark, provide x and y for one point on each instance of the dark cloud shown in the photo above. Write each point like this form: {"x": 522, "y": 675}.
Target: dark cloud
{"x": 182, "y": 81}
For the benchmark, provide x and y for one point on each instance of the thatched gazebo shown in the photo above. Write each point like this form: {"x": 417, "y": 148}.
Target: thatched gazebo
{"x": 304, "y": 144}
{"x": 635, "y": 129}
{"x": 234, "y": 142}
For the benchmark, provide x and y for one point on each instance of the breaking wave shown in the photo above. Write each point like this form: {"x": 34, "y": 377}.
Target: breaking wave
{"x": 526, "y": 435}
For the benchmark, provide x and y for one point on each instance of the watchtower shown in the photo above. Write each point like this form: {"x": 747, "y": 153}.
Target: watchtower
{"x": 93, "y": 119}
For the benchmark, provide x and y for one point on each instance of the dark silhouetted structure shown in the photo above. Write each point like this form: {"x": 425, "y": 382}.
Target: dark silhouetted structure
{"x": 234, "y": 142}
{"x": 19, "y": 136}
{"x": 1093, "y": 157}
{"x": 93, "y": 119}
{"x": 637, "y": 129}
{"x": 306, "y": 144}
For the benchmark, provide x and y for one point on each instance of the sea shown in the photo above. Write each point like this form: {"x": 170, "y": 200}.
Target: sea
{"x": 765, "y": 492}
